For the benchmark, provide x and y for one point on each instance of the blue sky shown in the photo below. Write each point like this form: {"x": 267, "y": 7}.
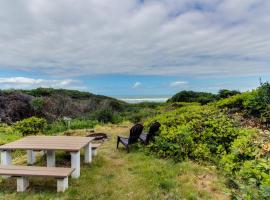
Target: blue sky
{"x": 134, "y": 47}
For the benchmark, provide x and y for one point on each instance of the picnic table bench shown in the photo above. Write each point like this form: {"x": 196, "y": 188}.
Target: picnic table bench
{"x": 24, "y": 172}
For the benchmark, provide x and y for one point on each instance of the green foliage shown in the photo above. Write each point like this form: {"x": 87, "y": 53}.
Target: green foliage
{"x": 254, "y": 104}
{"x": 136, "y": 113}
{"x": 7, "y": 134}
{"x": 54, "y": 104}
{"x": 241, "y": 149}
{"x": 235, "y": 102}
{"x": 42, "y": 92}
{"x": 250, "y": 169}
{"x": 191, "y": 96}
{"x": 222, "y": 94}
{"x": 30, "y": 126}
{"x": 37, "y": 104}
{"x": 202, "y": 97}
{"x": 205, "y": 133}
{"x": 61, "y": 125}
{"x": 106, "y": 115}
{"x": 197, "y": 132}
{"x": 175, "y": 143}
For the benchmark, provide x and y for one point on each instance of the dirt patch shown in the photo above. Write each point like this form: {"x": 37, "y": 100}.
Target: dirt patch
{"x": 208, "y": 182}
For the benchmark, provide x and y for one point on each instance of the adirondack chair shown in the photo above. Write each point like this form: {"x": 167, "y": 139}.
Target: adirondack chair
{"x": 146, "y": 138}
{"x": 135, "y": 133}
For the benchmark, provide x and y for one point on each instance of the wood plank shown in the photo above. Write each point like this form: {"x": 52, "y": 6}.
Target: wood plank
{"x": 66, "y": 143}
{"x": 13, "y": 170}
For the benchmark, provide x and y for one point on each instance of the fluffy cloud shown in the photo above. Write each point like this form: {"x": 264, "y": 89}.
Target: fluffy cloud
{"x": 28, "y": 83}
{"x": 137, "y": 84}
{"x": 68, "y": 38}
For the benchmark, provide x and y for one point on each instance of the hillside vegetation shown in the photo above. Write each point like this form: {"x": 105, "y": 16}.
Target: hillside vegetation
{"x": 229, "y": 134}
{"x": 54, "y": 104}
{"x": 214, "y": 133}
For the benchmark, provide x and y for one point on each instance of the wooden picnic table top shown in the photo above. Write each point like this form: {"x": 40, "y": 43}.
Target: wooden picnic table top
{"x": 66, "y": 143}
{"x": 13, "y": 170}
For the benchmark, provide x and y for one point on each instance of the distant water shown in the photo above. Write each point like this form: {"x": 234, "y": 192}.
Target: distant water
{"x": 138, "y": 99}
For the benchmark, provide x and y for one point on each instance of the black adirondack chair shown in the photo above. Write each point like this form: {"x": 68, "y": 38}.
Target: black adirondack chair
{"x": 154, "y": 128}
{"x": 135, "y": 133}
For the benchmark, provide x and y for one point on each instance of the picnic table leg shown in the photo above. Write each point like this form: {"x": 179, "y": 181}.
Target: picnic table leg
{"x": 62, "y": 184}
{"x": 6, "y": 158}
{"x": 75, "y": 164}
{"x": 94, "y": 152}
{"x": 50, "y": 158}
{"x": 22, "y": 184}
{"x": 88, "y": 153}
{"x": 31, "y": 159}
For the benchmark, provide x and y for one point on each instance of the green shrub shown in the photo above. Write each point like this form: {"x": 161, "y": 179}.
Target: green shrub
{"x": 253, "y": 104}
{"x": 222, "y": 94}
{"x": 243, "y": 148}
{"x": 106, "y": 115}
{"x": 8, "y": 134}
{"x": 176, "y": 143}
{"x": 196, "y": 132}
{"x": 61, "y": 125}
{"x": 191, "y": 96}
{"x": 238, "y": 101}
{"x": 30, "y": 126}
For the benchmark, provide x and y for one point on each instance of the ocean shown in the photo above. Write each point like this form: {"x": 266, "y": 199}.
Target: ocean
{"x": 139, "y": 99}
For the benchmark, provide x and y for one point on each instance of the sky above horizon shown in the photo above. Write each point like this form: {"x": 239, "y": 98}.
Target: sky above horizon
{"x": 134, "y": 47}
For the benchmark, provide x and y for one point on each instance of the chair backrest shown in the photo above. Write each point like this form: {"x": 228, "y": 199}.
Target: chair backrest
{"x": 154, "y": 128}
{"x": 135, "y": 133}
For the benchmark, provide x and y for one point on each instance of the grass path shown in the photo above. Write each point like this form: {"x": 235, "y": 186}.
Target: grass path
{"x": 116, "y": 175}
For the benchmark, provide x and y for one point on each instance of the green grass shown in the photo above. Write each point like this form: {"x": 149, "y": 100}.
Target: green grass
{"x": 114, "y": 174}
{"x": 7, "y": 134}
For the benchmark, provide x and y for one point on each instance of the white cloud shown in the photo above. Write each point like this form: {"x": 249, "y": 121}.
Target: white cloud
{"x": 137, "y": 84}
{"x": 68, "y": 38}
{"x": 179, "y": 84}
{"x": 29, "y": 83}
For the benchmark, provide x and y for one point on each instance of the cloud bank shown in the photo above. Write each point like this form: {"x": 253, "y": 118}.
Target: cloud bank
{"x": 29, "y": 83}
{"x": 69, "y": 38}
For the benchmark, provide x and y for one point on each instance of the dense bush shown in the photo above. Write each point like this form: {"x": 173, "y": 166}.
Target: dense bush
{"x": 248, "y": 165}
{"x": 254, "y": 104}
{"x": 53, "y": 104}
{"x": 7, "y": 134}
{"x": 14, "y": 107}
{"x": 222, "y": 94}
{"x": 191, "y": 96}
{"x": 197, "y": 132}
{"x": 202, "y": 97}
{"x": 30, "y": 126}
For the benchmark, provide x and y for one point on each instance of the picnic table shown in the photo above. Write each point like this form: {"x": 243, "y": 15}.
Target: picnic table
{"x": 50, "y": 144}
